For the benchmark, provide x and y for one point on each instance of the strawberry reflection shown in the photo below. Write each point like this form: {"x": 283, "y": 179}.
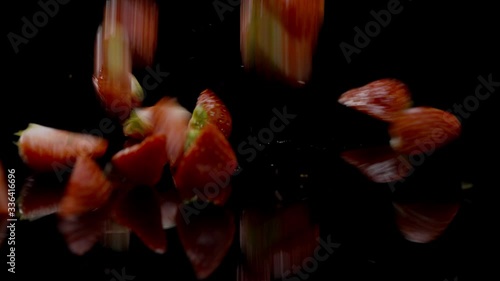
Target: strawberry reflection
{"x": 379, "y": 164}
{"x": 424, "y": 222}
{"x": 274, "y": 240}
{"x": 140, "y": 210}
{"x": 206, "y": 238}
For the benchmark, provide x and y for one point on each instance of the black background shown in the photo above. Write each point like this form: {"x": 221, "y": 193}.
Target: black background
{"x": 438, "y": 49}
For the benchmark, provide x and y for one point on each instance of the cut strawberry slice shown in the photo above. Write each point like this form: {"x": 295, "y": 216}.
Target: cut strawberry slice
{"x": 206, "y": 167}
{"x": 40, "y": 196}
{"x": 168, "y": 118}
{"x": 47, "y": 149}
{"x": 171, "y": 120}
{"x": 382, "y": 99}
{"x": 142, "y": 163}
{"x": 207, "y": 239}
{"x": 379, "y": 164}
{"x": 87, "y": 189}
{"x": 424, "y": 222}
{"x": 210, "y": 109}
{"x": 139, "y": 210}
{"x": 423, "y": 129}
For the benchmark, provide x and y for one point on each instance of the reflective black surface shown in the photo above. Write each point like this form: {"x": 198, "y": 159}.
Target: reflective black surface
{"x": 438, "y": 49}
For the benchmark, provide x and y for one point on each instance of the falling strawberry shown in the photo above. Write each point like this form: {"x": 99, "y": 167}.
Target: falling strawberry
{"x": 206, "y": 239}
{"x": 300, "y": 18}
{"x": 139, "y": 210}
{"x": 87, "y": 189}
{"x": 422, "y": 130}
{"x": 142, "y": 163}
{"x": 206, "y": 167}
{"x": 47, "y": 149}
{"x": 278, "y": 38}
{"x": 210, "y": 109}
{"x": 423, "y": 222}
{"x": 168, "y": 118}
{"x": 383, "y": 99}
{"x": 140, "y": 19}
{"x": 379, "y": 164}
{"x": 113, "y": 80}
{"x": 171, "y": 120}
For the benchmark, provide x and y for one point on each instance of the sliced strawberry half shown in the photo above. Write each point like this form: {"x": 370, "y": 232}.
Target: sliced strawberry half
{"x": 379, "y": 164}
{"x": 206, "y": 168}
{"x": 210, "y": 109}
{"x": 422, "y": 130}
{"x": 168, "y": 118}
{"x": 142, "y": 163}
{"x": 87, "y": 189}
{"x": 171, "y": 120}
{"x": 382, "y": 99}
{"x": 423, "y": 222}
{"x": 139, "y": 210}
{"x": 206, "y": 239}
{"x": 44, "y": 149}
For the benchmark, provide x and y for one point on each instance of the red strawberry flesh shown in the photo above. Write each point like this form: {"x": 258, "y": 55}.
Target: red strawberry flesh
{"x": 211, "y": 109}
{"x": 206, "y": 167}
{"x": 142, "y": 163}
{"x": 171, "y": 120}
{"x": 422, "y": 130}
{"x": 382, "y": 99}
{"x": 87, "y": 189}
